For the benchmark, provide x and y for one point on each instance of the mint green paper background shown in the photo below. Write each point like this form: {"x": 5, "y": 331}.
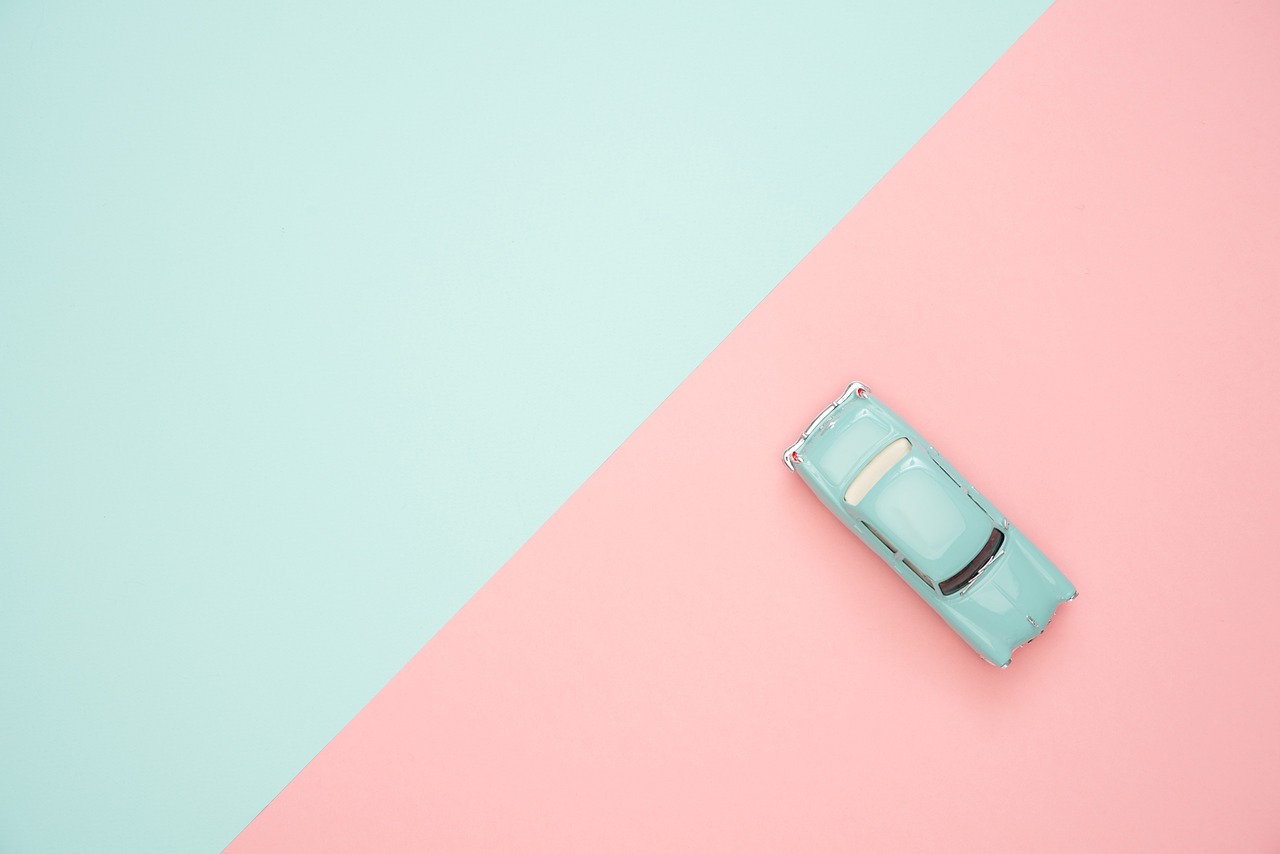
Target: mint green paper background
{"x": 310, "y": 315}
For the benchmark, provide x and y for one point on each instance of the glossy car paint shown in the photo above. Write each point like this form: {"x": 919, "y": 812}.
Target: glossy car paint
{"x": 935, "y": 521}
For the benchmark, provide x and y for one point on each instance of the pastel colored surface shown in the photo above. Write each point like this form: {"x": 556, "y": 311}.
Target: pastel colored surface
{"x": 1069, "y": 285}
{"x": 309, "y": 317}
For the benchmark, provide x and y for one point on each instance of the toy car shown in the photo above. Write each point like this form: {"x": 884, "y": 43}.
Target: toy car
{"x": 912, "y": 508}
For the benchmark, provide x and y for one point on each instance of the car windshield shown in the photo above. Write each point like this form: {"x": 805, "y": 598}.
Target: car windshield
{"x": 971, "y": 570}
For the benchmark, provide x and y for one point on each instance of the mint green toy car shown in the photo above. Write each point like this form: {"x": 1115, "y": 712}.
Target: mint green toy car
{"x": 912, "y": 508}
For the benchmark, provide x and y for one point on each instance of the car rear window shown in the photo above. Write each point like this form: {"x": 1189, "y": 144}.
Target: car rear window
{"x": 877, "y": 468}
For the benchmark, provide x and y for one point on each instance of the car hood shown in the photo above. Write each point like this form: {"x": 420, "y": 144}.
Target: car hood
{"x": 1011, "y": 601}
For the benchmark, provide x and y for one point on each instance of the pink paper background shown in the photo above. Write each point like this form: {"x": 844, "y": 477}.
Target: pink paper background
{"x": 1070, "y": 287}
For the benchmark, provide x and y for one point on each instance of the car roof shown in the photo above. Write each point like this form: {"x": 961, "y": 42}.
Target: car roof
{"x": 913, "y": 504}
{"x": 927, "y": 517}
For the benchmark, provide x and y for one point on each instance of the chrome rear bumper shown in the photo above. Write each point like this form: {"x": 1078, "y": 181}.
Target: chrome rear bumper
{"x": 791, "y": 455}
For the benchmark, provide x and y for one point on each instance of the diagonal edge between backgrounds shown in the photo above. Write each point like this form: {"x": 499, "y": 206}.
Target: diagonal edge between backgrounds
{"x": 604, "y": 464}
{"x": 575, "y": 677}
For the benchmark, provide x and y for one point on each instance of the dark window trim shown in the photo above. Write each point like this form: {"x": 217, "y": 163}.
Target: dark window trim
{"x": 881, "y": 537}
{"x": 973, "y": 568}
{"x": 919, "y": 572}
{"x": 890, "y": 546}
